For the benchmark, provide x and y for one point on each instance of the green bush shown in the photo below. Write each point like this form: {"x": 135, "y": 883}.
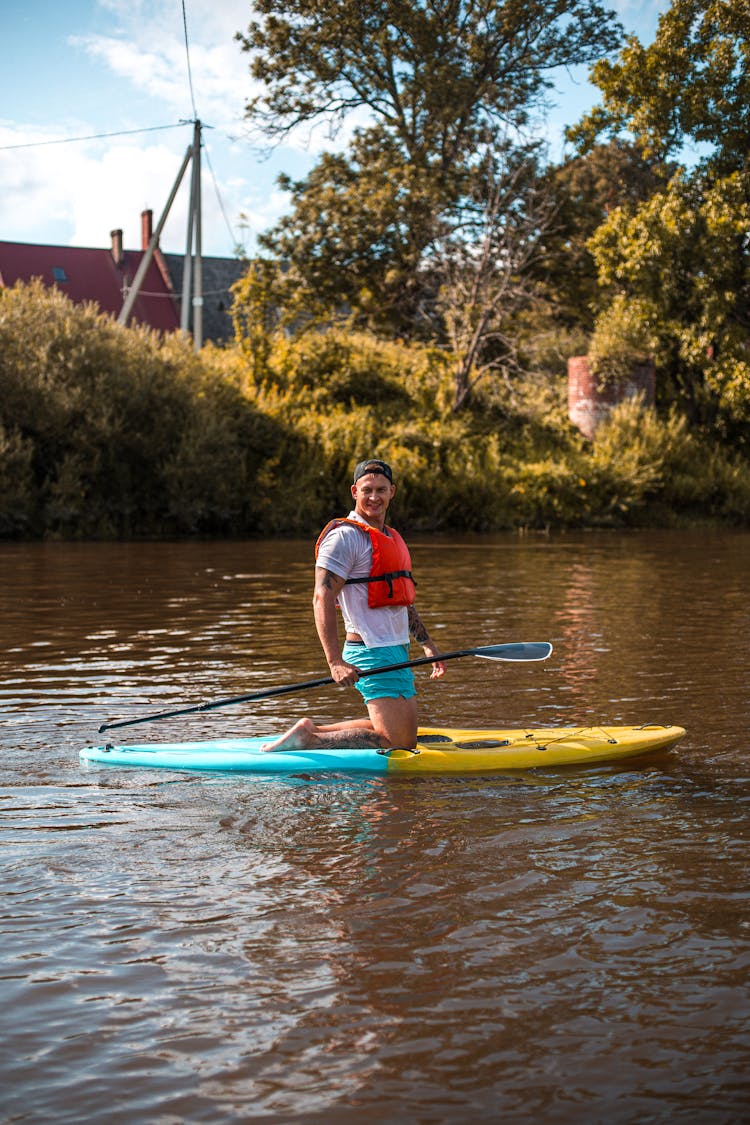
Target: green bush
{"x": 17, "y": 491}
{"x": 114, "y": 432}
{"x": 624, "y": 337}
{"x": 111, "y": 431}
{"x": 658, "y": 471}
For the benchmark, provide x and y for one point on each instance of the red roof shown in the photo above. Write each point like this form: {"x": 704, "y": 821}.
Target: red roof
{"x": 93, "y": 275}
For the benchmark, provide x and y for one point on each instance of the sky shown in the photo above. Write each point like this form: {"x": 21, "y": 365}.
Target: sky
{"x": 83, "y": 68}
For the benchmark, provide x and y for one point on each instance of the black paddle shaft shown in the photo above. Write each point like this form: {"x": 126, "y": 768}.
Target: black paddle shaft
{"x": 520, "y": 651}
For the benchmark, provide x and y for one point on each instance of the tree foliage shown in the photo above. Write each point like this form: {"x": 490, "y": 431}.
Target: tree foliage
{"x": 483, "y": 267}
{"x": 439, "y": 84}
{"x": 438, "y": 75}
{"x": 691, "y": 85}
{"x": 681, "y": 261}
{"x": 355, "y": 239}
{"x": 583, "y": 191}
{"x": 681, "y": 258}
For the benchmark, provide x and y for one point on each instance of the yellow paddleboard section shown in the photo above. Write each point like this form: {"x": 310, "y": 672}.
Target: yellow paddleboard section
{"x": 441, "y": 750}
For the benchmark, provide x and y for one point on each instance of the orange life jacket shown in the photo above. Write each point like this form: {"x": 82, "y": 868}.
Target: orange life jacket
{"x": 390, "y": 581}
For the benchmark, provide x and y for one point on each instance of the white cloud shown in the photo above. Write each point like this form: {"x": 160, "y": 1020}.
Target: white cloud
{"x": 149, "y": 53}
{"x": 147, "y": 50}
{"x": 82, "y": 191}
{"x": 75, "y": 193}
{"x": 122, "y": 182}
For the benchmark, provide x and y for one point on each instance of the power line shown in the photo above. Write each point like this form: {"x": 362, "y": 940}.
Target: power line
{"x": 222, "y": 208}
{"x": 232, "y": 233}
{"x": 93, "y": 137}
{"x": 187, "y": 54}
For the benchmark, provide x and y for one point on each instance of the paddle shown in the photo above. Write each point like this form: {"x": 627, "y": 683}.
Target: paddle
{"x": 529, "y": 650}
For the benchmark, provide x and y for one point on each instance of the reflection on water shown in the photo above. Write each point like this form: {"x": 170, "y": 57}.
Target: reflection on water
{"x": 578, "y": 626}
{"x": 559, "y": 946}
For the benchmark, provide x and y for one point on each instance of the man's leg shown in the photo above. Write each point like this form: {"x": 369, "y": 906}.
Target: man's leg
{"x": 358, "y": 734}
{"x": 392, "y": 722}
{"x": 395, "y": 720}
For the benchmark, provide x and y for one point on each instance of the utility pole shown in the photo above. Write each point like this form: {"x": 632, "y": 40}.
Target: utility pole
{"x": 192, "y": 280}
{"x": 198, "y": 248}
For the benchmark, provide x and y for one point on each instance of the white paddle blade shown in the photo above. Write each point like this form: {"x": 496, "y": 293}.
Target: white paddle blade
{"x": 528, "y": 650}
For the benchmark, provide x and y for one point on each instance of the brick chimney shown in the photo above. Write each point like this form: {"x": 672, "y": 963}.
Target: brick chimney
{"x": 147, "y": 228}
{"x": 117, "y": 252}
{"x": 147, "y": 233}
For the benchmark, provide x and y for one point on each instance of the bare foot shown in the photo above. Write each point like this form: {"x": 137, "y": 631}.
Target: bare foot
{"x": 304, "y": 735}
{"x": 299, "y": 737}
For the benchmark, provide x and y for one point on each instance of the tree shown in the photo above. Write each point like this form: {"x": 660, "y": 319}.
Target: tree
{"x": 691, "y": 85}
{"x": 482, "y": 267}
{"x": 356, "y": 237}
{"x": 680, "y": 262}
{"x": 438, "y": 81}
{"x": 682, "y": 257}
{"x": 438, "y": 74}
{"x": 585, "y": 189}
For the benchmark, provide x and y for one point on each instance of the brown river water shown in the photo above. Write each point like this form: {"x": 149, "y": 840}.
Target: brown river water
{"x": 549, "y": 946}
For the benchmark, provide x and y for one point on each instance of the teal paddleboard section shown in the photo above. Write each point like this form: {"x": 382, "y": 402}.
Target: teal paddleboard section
{"x": 241, "y": 755}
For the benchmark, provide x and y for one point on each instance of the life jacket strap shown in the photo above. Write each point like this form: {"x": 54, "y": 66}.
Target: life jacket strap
{"x": 383, "y": 578}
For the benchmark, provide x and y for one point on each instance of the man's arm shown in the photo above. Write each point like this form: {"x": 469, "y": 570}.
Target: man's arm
{"x": 418, "y": 630}
{"x": 328, "y": 586}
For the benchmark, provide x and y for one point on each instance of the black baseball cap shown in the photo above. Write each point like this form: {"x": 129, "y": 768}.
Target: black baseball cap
{"x": 373, "y": 466}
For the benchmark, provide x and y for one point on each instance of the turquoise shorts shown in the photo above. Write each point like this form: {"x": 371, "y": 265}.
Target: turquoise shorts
{"x": 389, "y": 685}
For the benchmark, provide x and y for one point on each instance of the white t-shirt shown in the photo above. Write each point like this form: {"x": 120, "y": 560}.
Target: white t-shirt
{"x": 348, "y": 553}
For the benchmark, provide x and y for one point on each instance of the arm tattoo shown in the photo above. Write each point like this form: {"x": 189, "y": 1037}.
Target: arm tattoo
{"x": 328, "y": 579}
{"x": 416, "y": 627}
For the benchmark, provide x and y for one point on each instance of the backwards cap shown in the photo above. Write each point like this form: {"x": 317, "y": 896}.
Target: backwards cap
{"x": 373, "y": 466}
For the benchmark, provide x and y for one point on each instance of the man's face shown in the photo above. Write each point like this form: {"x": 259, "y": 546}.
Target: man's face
{"x": 372, "y": 494}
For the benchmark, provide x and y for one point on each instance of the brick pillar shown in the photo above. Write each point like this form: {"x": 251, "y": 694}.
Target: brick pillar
{"x": 589, "y": 402}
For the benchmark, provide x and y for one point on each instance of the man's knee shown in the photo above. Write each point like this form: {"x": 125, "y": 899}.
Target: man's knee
{"x": 395, "y": 722}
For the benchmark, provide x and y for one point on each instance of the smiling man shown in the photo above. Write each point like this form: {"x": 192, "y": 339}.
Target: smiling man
{"x": 363, "y": 566}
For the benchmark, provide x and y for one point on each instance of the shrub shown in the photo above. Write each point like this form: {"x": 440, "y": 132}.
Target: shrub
{"x": 114, "y": 431}
{"x": 17, "y": 491}
{"x": 111, "y": 431}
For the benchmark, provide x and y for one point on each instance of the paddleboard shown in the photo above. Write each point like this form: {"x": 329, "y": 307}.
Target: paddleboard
{"x": 438, "y": 750}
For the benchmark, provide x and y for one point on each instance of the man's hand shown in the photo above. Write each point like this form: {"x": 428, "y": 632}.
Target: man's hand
{"x": 344, "y": 674}
{"x": 438, "y": 668}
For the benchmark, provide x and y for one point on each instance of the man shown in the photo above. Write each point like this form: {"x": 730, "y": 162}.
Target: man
{"x": 364, "y": 567}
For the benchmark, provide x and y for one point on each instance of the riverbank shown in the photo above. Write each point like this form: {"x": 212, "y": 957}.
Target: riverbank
{"x": 112, "y": 433}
